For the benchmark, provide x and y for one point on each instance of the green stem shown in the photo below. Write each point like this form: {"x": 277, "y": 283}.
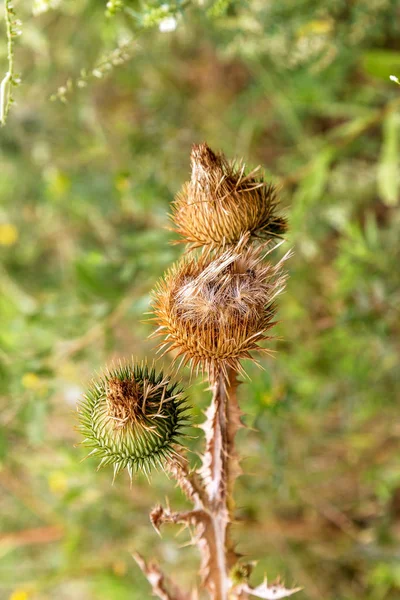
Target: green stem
{"x": 10, "y": 50}
{"x": 5, "y": 86}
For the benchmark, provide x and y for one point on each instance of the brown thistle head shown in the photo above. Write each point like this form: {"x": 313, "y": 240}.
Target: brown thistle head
{"x": 221, "y": 203}
{"x": 215, "y": 310}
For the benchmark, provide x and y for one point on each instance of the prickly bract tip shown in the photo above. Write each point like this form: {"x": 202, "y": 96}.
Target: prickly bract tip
{"x": 221, "y": 203}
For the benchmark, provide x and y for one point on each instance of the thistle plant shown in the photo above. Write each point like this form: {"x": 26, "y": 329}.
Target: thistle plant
{"x": 213, "y": 308}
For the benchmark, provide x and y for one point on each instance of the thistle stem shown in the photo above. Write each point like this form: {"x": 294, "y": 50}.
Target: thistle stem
{"x": 210, "y": 490}
{"x": 219, "y": 471}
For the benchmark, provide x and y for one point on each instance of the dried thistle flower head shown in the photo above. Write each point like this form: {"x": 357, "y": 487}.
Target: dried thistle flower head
{"x": 132, "y": 418}
{"x": 221, "y": 203}
{"x": 215, "y": 310}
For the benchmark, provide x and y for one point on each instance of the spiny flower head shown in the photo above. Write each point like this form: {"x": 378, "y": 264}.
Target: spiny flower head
{"x": 221, "y": 203}
{"x": 215, "y": 310}
{"x": 132, "y": 418}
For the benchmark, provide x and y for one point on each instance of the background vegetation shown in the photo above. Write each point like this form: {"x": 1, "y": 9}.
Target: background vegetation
{"x": 301, "y": 87}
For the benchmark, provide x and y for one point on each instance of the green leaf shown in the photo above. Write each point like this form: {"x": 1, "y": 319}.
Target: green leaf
{"x": 219, "y": 8}
{"x": 388, "y": 174}
{"x": 381, "y": 63}
{"x": 312, "y": 186}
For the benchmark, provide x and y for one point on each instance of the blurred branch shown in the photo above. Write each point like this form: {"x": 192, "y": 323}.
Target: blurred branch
{"x": 331, "y": 513}
{"x": 124, "y": 52}
{"x": 103, "y": 67}
{"x": 37, "y": 535}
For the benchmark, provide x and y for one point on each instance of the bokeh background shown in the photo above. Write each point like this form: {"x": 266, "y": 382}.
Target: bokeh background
{"x": 93, "y": 151}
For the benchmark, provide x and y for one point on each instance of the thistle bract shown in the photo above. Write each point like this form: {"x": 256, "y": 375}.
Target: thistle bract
{"x": 215, "y": 310}
{"x": 132, "y": 418}
{"x": 221, "y": 203}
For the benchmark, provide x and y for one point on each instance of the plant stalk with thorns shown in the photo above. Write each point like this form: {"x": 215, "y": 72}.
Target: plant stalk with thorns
{"x": 213, "y": 309}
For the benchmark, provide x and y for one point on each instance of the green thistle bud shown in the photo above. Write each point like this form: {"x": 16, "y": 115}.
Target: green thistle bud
{"x": 132, "y": 418}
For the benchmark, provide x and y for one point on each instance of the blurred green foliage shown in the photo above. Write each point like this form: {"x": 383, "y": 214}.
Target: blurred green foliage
{"x": 86, "y": 180}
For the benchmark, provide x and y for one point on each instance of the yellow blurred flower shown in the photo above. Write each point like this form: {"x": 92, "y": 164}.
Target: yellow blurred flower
{"x": 33, "y": 382}
{"x": 19, "y": 595}
{"x": 58, "y": 482}
{"x": 274, "y": 396}
{"x": 315, "y": 27}
{"x": 119, "y": 567}
{"x": 268, "y": 399}
{"x": 8, "y": 234}
{"x": 122, "y": 182}
{"x": 58, "y": 183}
{"x": 69, "y": 371}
